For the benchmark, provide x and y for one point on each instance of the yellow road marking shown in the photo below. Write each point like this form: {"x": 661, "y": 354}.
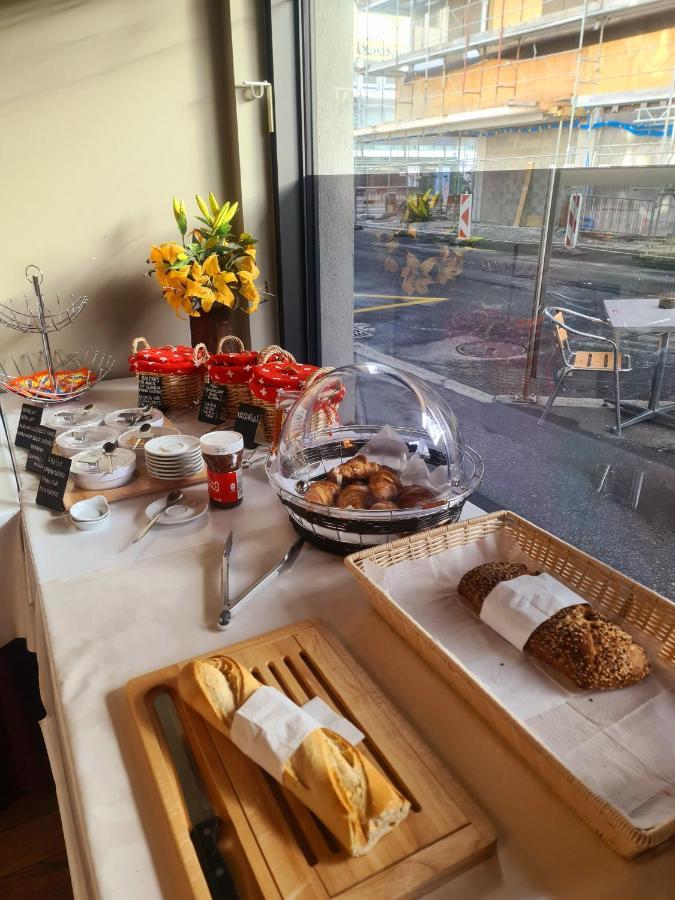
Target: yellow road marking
{"x": 404, "y": 301}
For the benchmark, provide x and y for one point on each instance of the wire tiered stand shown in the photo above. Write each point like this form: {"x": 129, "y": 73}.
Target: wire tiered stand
{"x": 48, "y": 376}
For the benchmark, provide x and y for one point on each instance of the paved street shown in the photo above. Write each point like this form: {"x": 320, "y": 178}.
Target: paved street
{"x": 550, "y": 474}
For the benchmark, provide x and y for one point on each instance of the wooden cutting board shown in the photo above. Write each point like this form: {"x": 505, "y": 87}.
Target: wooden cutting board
{"x": 140, "y": 484}
{"x": 273, "y": 845}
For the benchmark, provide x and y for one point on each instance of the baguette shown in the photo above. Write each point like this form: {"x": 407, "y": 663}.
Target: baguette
{"x": 584, "y": 646}
{"x": 334, "y": 780}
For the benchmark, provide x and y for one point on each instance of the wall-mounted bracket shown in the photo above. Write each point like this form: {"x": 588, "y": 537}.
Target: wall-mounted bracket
{"x": 256, "y": 90}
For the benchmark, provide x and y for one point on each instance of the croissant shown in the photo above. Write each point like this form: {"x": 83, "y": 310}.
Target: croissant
{"x": 384, "y": 504}
{"x": 413, "y": 495}
{"x": 355, "y": 495}
{"x": 384, "y": 485}
{"x": 323, "y": 492}
{"x": 357, "y": 469}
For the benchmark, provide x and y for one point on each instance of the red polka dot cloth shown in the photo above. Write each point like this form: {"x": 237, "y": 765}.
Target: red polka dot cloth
{"x": 232, "y": 368}
{"x": 271, "y": 377}
{"x": 170, "y": 360}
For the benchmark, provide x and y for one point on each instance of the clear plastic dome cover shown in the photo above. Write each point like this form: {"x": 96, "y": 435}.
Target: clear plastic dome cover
{"x": 386, "y": 415}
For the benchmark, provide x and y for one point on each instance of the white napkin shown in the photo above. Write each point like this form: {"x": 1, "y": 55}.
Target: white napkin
{"x": 269, "y": 727}
{"x": 515, "y": 608}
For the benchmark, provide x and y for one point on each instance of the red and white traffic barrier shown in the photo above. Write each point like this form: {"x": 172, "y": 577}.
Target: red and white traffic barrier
{"x": 573, "y": 221}
{"x": 464, "y": 230}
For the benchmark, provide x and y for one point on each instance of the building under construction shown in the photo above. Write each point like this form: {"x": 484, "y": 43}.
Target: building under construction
{"x": 447, "y": 92}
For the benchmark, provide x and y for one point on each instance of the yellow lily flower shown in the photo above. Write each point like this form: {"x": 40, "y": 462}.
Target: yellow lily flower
{"x": 198, "y": 291}
{"x": 248, "y": 290}
{"x": 197, "y": 273}
{"x": 211, "y": 266}
{"x": 222, "y": 279}
{"x": 164, "y": 256}
{"x": 225, "y": 296}
{"x": 253, "y": 298}
{"x": 207, "y": 302}
{"x": 246, "y": 264}
{"x": 251, "y": 250}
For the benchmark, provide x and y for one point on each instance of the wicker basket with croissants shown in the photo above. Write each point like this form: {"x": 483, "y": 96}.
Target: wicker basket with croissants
{"x": 363, "y": 484}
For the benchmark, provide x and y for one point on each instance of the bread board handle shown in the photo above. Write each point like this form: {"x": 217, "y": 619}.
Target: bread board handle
{"x": 204, "y": 837}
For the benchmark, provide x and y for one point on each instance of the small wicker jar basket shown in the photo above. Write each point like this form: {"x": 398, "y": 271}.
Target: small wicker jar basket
{"x": 235, "y": 394}
{"x": 178, "y": 390}
{"x": 273, "y": 353}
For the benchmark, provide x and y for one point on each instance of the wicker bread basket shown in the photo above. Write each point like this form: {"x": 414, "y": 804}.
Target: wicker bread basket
{"x": 645, "y": 614}
{"x": 179, "y": 390}
{"x": 273, "y": 353}
{"x": 235, "y": 394}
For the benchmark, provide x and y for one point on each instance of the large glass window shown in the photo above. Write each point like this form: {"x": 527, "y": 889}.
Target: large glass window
{"x": 510, "y": 160}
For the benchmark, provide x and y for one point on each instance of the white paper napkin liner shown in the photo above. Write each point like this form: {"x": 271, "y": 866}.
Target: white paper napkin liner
{"x": 269, "y": 727}
{"x": 515, "y": 608}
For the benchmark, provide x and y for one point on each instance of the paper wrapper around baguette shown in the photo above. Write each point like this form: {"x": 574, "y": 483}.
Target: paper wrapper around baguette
{"x": 334, "y": 780}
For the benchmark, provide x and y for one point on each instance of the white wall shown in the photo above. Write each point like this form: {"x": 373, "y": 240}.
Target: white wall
{"x": 108, "y": 108}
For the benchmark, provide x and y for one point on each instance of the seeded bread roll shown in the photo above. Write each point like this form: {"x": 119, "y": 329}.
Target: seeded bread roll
{"x": 594, "y": 653}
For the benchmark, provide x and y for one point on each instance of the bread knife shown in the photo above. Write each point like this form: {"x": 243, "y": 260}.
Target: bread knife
{"x": 205, "y": 824}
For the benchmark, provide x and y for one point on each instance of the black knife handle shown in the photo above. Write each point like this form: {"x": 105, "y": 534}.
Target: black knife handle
{"x": 204, "y": 837}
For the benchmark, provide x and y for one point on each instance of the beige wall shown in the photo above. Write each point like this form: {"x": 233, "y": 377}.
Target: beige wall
{"x": 108, "y": 108}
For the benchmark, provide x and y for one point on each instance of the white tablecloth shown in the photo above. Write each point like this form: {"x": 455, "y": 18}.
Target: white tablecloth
{"x": 106, "y": 611}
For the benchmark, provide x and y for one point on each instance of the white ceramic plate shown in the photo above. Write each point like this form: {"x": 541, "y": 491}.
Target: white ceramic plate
{"x": 128, "y": 438}
{"x": 184, "y": 464}
{"x": 173, "y": 476}
{"x": 172, "y": 446}
{"x": 186, "y": 511}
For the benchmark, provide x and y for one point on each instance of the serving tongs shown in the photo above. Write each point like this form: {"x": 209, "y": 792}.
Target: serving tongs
{"x": 227, "y": 604}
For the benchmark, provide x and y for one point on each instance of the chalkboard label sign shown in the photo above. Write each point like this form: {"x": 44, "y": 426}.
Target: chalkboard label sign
{"x": 150, "y": 391}
{"x": 53, "y": 481}
{"x": 210, "y": 405}
{"x": 246, "y": 423}
{"x": 29, "y": 418}
{"x": 41, "y": 443}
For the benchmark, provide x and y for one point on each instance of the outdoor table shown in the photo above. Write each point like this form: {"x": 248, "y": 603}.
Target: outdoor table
{"x": 105, "y": 610}
{"x": 643, "y": 315}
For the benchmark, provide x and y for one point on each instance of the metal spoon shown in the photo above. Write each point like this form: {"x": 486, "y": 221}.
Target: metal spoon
{"x": 173, "y": 498}
{"x": 140, "y": 415}
{"x": 109, "y": 449}
{"x": 85, "y": 411}
{"x": 142, "y": 430}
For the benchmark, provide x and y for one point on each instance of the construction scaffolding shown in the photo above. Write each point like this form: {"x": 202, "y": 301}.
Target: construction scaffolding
{"x": 512, "y": 84}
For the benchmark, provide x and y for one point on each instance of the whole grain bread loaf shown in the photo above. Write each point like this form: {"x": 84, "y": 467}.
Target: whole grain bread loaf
{"x": 583, "y": 645}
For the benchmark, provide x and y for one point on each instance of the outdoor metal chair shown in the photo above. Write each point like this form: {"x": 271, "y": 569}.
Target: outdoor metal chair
{"x": 577, "y": 359}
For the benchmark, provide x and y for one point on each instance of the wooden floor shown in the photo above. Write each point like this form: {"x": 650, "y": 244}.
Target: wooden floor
{"x": 33, "y": 862}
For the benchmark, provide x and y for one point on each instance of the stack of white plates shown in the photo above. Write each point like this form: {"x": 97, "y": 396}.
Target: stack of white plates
{"x": 173, "y": 456}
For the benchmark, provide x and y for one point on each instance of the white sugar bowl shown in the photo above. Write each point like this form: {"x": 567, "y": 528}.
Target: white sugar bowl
{"x": 90, "y": 513}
